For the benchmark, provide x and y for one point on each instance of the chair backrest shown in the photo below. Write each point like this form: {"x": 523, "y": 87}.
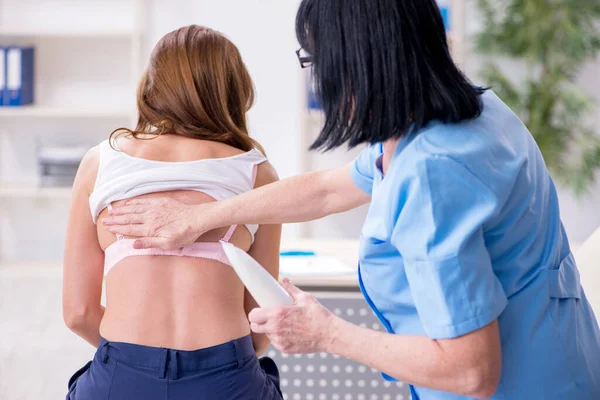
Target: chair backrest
{"x": 588, "y": 261}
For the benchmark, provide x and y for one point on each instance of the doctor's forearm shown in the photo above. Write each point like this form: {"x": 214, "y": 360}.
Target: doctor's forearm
{"x": 301, "y": 198}
{"x": 417, "y": 360}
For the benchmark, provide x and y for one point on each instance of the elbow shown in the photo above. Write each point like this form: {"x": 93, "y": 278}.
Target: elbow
{"x": 76, "y": 318}
{"x": 482, "y": 382}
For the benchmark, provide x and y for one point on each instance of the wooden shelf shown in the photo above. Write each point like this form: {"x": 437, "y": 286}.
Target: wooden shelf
{"x": 31, "y": 191}
{"x": 40, "y": 111}
{"x": 16, "y": 31}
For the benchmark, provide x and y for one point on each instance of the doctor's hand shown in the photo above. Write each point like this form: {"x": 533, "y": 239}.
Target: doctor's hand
{"x": 163, "y": 223}
{"x": 305, "y": 327}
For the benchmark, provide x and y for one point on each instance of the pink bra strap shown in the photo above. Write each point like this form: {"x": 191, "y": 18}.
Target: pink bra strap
{"x": 118, "y": 235}
{"x": 229, "y": 233}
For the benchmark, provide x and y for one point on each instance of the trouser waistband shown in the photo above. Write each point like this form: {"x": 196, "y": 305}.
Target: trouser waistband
{"x": 177, "y": 363}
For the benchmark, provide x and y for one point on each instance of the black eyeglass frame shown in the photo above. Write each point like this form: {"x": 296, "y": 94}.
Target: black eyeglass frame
{"x": 305, "y": 61}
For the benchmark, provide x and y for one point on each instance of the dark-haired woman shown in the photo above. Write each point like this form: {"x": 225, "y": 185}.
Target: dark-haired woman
{"x": 176, "y": 323}
{"x": 463, "y": 255}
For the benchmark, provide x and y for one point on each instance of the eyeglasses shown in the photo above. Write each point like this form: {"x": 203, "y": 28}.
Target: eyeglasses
{"x": 306, "y": 60}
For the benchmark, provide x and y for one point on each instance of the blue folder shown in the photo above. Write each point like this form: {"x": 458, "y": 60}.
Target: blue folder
{"x": 19, "y": 76}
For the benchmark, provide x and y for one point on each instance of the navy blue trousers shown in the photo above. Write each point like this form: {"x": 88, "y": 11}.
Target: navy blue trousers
{"x": 230, "y": 371}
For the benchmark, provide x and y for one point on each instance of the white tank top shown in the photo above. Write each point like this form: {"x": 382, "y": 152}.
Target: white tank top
{"x": 121, "y": 176}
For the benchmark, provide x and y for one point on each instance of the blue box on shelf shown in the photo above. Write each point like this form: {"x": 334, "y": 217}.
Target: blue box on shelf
{"x": 19, "y": 76}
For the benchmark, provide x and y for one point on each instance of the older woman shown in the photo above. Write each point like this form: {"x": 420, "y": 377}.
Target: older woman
{"x": 463, "y": 255}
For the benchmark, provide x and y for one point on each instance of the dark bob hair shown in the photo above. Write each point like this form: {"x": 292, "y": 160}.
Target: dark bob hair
{"x": 381, "y": 67}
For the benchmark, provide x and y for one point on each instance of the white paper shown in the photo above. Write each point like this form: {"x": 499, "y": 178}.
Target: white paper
{"x": 13, "y": 80}
{"x": 314, "y": 266}
{"x": 2, "y": 70}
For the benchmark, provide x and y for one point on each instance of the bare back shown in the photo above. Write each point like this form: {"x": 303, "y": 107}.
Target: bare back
{"x": 182, "y": 302}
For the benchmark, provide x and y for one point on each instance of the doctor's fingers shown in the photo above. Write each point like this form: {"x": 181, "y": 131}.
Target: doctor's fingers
{"x": 272, "y": 328}
{"x": 127, "y": 219}
{"x": 130, "y": 209}
{"x": 261, "y": 328}
{"x": 263, "y": 315}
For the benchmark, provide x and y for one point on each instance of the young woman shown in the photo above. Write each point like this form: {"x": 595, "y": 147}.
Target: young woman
{"x": 463, "y": 255}
{"x": 175, "y": 324}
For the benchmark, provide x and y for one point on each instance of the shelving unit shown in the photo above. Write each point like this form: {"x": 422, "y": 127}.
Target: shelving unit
{"x": 100, "y": 43}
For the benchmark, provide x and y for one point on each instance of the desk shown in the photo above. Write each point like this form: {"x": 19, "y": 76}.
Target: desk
{"x": 345, "y": 250}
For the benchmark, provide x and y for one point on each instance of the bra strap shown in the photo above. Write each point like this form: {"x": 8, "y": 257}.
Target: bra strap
{"x": 118, "y": 235}
{"x": 229, "y": 233}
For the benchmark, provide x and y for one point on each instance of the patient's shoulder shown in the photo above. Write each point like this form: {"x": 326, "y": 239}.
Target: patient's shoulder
{"x": 266, "y": 174}
{"x": 88, "y": 169}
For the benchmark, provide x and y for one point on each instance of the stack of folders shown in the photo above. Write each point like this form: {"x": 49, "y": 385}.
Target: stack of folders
{"x": 59, "y": 164}
{"x": 16, "y": 75}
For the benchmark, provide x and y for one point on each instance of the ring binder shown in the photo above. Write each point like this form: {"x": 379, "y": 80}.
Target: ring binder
{"x": 19, "y": 76}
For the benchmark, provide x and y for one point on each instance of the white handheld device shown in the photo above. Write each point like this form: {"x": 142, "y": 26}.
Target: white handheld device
{"x": 262, "y": 286}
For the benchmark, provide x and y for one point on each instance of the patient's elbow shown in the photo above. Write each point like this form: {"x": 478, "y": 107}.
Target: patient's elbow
{"x": 76, "y": 318}
{"x": 482, "y": 381}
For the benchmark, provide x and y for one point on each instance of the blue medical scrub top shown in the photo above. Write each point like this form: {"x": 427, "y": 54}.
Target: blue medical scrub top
{"x": 464, "y": 229}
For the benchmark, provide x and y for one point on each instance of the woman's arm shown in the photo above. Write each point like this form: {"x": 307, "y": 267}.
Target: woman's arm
{"x": 167, "y": 223}
{"x": 265, "y": 250}
{"x": 83, "y": 267}
{"x": 469, "y": 365}
{"x": 301, "y": 198}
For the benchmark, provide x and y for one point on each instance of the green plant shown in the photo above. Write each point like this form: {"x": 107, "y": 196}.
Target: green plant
{"x": 554, "y": 38}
